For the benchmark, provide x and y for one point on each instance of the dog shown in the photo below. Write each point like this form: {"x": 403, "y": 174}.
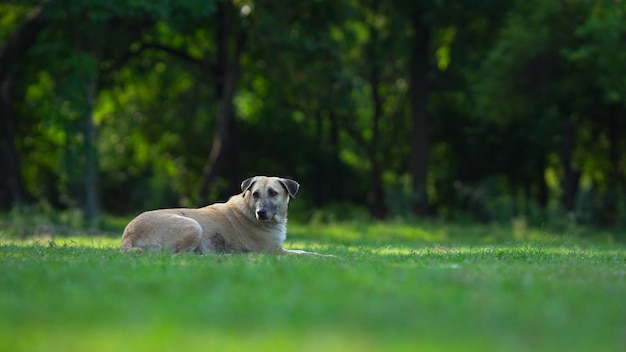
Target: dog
{"x": 253, "y": 221}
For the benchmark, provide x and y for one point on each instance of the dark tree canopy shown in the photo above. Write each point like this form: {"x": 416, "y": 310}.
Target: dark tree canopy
{"x": 484, "y": 110}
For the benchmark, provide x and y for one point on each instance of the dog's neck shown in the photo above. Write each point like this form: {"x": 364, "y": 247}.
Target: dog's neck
{"x": 275, "y": 228}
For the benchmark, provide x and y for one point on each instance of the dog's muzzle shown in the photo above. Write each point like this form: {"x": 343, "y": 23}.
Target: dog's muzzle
{"x": 265, "y": 211}
{"x": 261, "y": 214}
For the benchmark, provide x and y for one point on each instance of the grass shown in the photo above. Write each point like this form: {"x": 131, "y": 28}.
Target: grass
{"x": 396, "y": 287}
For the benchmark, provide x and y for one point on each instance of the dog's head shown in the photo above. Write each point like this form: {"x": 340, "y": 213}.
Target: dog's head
{"x": 268, "y": 197}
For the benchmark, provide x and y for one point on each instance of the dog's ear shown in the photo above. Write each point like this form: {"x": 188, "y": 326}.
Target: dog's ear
{"x": 291, "y": 186}
{"x": 246, "y": 184}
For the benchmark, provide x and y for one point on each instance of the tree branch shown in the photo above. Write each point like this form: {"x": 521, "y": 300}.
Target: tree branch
{"x": 21, "y": 39}
{"x": 204, "y": 65}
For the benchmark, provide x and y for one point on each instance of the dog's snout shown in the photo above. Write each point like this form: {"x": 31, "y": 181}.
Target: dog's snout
{"x": 261, "y": 214}
{"x": 265, "y": 210}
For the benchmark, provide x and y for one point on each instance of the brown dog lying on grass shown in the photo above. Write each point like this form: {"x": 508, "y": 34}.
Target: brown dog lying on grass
{"x": 253, "y": 221}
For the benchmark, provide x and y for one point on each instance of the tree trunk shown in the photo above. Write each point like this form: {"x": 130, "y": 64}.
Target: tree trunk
{"x": 226, "y": 71}
{"x": 542, "y": 194}
{"x": 376, "y": 197}
{"x": 333, "y": 134}
{"x": 91, "y": 155}
{"x": 615, "y": 179}
{"x": 377, "y": 203}
{"x": 570, "y": 176}
{"x": 11, "y": 184}
{"x": 419, "y": 68}
{"x": 221, "y": 138}
{"x": 88, "y": 40}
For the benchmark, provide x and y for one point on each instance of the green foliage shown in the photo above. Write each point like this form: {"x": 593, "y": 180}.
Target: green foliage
{"x": 323, "y": 96}
{"x": 543, "y": 74}
{"x": 602, "y": 32}
{"x": 99, "y": 11}
{"x": 82, "y": 293}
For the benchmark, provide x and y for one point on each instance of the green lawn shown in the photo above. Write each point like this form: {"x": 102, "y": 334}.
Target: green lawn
{"x": 395, "y": 287}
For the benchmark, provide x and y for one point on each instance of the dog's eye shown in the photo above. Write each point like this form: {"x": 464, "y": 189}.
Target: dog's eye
{"x": 272, "y": 193}
{"x": 255, "y": 195}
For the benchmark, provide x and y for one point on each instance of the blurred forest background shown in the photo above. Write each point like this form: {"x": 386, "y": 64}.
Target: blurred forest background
{"x": 480, "y": 110}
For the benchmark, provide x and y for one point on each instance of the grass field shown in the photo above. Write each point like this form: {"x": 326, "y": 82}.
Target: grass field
{"x": 396, "y": 287}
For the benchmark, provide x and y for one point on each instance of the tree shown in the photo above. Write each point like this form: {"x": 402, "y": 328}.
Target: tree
{"x": 78, "y": 36}
{"x": 560, "y": 86}
{"x": 230, "y": 39}
{"x": 484, "y": 109}
{"x": 419, "y": 73}
{"x": 23, "y": 37}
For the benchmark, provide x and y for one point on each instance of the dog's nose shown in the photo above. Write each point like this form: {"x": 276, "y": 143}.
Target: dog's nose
{"x": 261, "y": 214}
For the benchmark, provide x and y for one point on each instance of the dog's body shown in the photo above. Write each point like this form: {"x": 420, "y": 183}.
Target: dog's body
{"x": 253, "y": 221}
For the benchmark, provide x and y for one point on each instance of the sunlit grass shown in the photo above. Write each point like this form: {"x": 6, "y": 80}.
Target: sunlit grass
{"x": 435, "y": 232}
{"x": 394, "y": 287}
